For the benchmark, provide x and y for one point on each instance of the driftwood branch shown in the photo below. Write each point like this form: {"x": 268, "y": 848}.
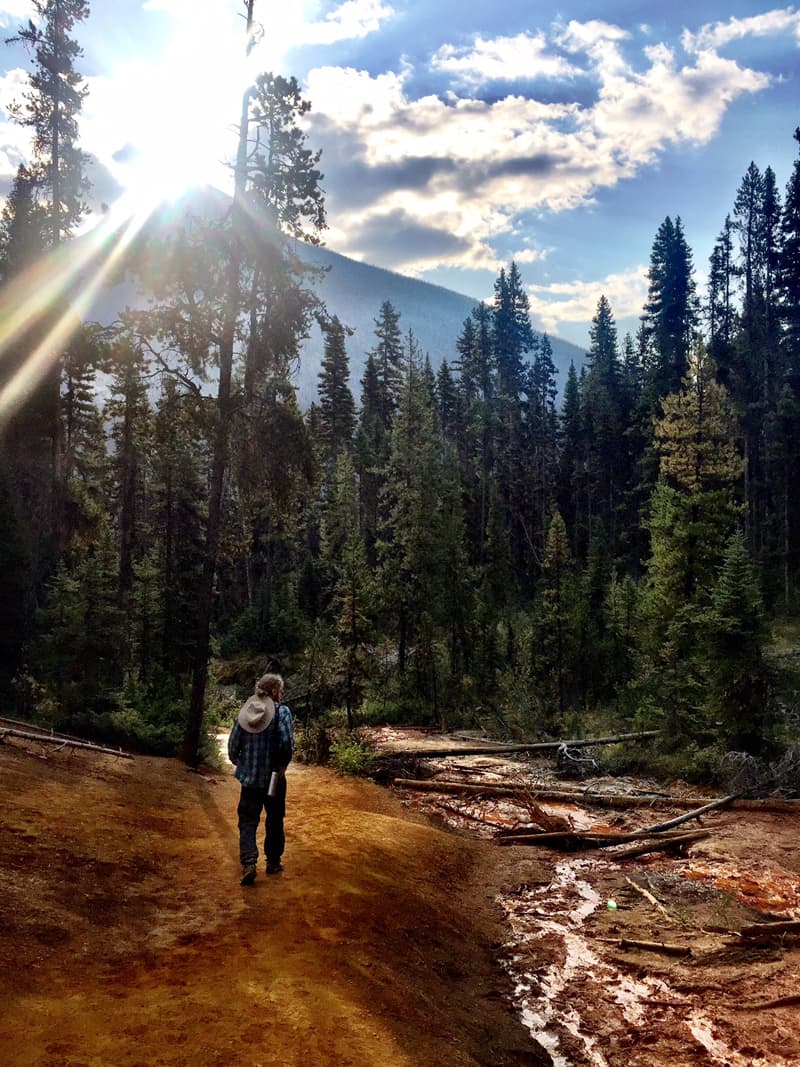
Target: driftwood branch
{"x": 499, "y": 749}
{"x": 592, "y": 839}
{"x": 650, "y": 898}
{"x": 647, "y": 946}
{"x": 55, "y": 740}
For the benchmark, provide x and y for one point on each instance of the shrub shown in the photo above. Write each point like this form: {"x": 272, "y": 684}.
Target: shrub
{"x": 352, "y": 754}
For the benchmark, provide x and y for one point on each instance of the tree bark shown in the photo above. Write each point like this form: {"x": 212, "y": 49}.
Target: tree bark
{"x": 191, "y": 740}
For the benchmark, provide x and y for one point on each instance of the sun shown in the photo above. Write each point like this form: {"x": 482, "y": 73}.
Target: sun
{"x": 180, "y": 114}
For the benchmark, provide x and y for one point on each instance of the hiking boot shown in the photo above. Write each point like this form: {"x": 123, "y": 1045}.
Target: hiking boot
{"x": 248, "y": 874}
{"x": 274, "y": 868}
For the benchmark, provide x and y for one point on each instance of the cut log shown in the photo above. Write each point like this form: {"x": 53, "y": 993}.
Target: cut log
{"x": 496, "y": 748}
{"x": 50, "y": 739}
{"x": 647, "y": 946}
{"x": 661, "y": 844}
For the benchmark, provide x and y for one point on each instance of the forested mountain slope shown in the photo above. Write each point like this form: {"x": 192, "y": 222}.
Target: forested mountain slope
{"x": 355, "y": 291}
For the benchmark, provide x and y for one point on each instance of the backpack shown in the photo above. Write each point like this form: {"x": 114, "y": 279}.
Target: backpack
{"x": 279, "y": 753}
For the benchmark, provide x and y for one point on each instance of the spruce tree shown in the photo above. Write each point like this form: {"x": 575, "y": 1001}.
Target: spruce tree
{"x": 51, "y": 107}
{"x": 788, "y": 275}
{"x": 337, "y": 415}
{"x": 693, "y": 513}
{"x": 671, "y": 311}
{"x": 387, "y": 356}
{"x": 735, "y": 631}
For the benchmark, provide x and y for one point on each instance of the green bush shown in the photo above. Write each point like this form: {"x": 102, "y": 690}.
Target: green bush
{"x": 352, "y": 754}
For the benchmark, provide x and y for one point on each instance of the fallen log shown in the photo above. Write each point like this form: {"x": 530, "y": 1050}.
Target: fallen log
{"x": 722, "y": 802}
{"x": 626, "y": 943}
{"x": 589, "y": 799}
{"x": 52, "y": 739}
{"x": 661, "y": 844}
{"x": 496, "y": 748}
{"x": 790, "y": 926}
{"x": 778, "y": 1002}
{"x": 592, "y": 839}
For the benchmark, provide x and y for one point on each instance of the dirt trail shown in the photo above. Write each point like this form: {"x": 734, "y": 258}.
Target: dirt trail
{"x": 125, "y": 938}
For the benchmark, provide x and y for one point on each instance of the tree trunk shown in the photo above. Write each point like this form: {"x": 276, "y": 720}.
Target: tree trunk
{"x": 205, "y": 604}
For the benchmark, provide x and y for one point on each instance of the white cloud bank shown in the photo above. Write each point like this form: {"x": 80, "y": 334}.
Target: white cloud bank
{"x": 524, "y": 56}
{"x": 716, "y": 35}
{"x": 352, "y": 19}
{"x": 462, "y": 168}
{"x": 576, "y": 302}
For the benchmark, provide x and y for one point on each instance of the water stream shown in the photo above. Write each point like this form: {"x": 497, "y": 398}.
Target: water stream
{"x": 550, "y": 995}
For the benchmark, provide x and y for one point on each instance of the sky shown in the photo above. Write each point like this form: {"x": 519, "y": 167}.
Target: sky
{"x": 456, "y": 135}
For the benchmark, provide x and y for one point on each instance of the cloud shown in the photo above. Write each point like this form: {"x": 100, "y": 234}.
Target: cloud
{"x": 352, "y": 19}
{"x": 13, "y": 12}
{"x": 715, "y": 35}
{"x": 502, "y": 59}
{"x": 12, "y": 85}
{"x": 576, "y": 302}
{"x": 469, "y": 167}
{"x": 397, "y": 237}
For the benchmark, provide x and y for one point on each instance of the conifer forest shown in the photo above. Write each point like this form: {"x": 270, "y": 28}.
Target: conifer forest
{"x": 467, "y": 541}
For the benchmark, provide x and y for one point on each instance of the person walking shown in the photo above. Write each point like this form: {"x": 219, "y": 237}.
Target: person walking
{"x": 261, "y": 745}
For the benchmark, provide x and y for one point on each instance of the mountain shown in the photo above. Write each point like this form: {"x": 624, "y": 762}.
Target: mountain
{"x": 355, "y": 291}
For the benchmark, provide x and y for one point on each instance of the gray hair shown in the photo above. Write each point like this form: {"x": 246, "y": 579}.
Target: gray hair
{"x": 267, "y": 685}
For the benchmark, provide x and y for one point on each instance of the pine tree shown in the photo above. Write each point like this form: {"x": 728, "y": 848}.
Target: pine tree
{"x": 371, "y": 451}
{"x": 735, "y": 631}
{"x": 788, "y": 276}
{"x": 692, "y": 516}
{"x": 51, "y": 107}
{"x": 671, "y": 311}
{"x": 337, "y": 415}
{"x": 128, "y": 411}
{"x": 248, "y": 305}
{"x": 721, "y": 308}
{"x": 553, "y": 634}
{"x": 22, "y": 226}
{"x": 387, "y": 357}
{"x": 602, "y": 412}
{"x": 46, "y": 207}
{"x": 512, "y": 331}
{"x": 353, "y": 588}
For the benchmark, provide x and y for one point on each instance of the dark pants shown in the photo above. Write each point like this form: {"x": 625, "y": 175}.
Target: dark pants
{"x": 251, "y": 803}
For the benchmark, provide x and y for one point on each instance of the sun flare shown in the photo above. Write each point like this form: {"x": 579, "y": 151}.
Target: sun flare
{"x": 181, "y": 113}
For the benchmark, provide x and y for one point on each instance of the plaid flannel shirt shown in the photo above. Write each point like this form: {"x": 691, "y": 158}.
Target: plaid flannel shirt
{"x": 249, "y": 751}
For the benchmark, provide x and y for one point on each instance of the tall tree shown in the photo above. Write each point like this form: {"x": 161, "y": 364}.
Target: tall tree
{"x": 387, "y": 356}
{"x": 693, "y": 514}
{"x": 788, "y": 274}
{"x": 721, "y": 307}
{"x": 51, "y": 106}
{"x": 240, "y": 262}
{"x": 337, "y": 413}
{"x": 671, "y": 310}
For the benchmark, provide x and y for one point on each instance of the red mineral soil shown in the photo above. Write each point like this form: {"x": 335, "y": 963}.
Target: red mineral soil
{"x": 125, "y": 938}
{"x": 641, "y": 962}
{"x": 399, "y": 932}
